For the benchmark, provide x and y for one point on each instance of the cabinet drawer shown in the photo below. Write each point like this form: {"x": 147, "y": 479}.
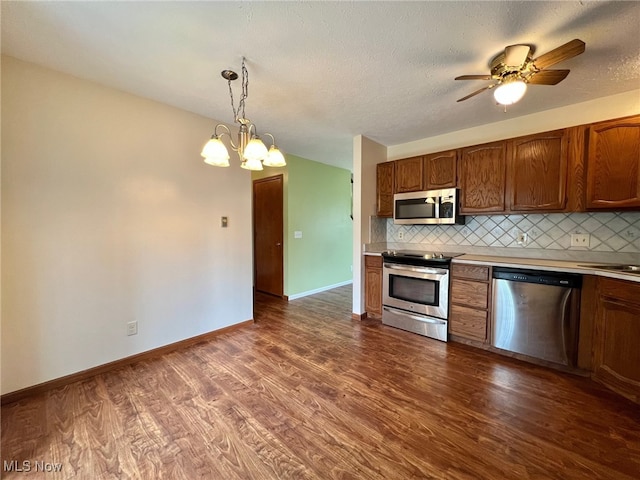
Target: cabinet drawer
{"x": 374, "y": 261}
{"x": 470, "y": 272}
{"x": 472, "y": 294}
{"x": 620, "y": 290}
{"x": 468, "y": 323}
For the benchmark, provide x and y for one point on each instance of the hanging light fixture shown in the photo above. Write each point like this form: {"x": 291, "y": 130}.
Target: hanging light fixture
{"x": 510, "y": 91}
{"x": 252, "y": 151}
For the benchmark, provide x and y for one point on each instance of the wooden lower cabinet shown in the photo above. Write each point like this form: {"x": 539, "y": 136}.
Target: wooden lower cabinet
{"x": 373, "y": 286}
{"x": 616, "y": 337}
{"x": 469, "y": 312}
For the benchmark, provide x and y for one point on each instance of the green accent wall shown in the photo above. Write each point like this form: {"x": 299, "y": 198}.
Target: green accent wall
{"x": 317, "y": 202}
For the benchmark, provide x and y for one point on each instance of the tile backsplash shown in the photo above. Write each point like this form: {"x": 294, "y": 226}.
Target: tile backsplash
{"x": 609, "y": 232}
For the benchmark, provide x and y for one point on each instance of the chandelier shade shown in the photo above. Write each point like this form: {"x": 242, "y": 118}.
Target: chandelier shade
{"x": 251, "y": 149}
{"x": 274, "y": 158}
{"x": 255, "y": 150}
{"x": 215, "y": 153}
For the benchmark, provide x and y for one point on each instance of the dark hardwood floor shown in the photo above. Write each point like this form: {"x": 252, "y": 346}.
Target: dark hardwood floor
{"x": 307, "y": 392}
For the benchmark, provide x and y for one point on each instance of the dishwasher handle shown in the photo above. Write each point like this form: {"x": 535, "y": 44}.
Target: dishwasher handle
{"x": 542, "y": 277}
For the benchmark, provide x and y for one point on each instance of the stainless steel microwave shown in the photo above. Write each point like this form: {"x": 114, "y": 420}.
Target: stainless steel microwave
{"x": 439, "y": 207}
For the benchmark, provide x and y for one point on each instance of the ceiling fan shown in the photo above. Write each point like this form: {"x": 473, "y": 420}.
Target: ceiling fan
{"x": 514, "y": 68}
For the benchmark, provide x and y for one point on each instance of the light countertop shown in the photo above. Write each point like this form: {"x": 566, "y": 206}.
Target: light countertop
{"x": 553, "y": 265}
{"x": 571, "y": 266}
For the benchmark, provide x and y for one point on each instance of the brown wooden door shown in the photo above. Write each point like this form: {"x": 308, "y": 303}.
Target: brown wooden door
{"x": 384, "y": 188}
{"x": 483, "y": 178}
{"x": 538, "y": 166}
{"x": 267, "y": 235}
{"x": 613, "y": 164}
{"x": 440, "y": 170}
{"x": 409, "y": 175}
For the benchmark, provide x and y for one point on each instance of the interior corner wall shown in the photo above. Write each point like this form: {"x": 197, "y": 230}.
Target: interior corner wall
{"x": 319, "y": 207}
{"x": 366, "y": 155}
{"x": 110, "y": 216}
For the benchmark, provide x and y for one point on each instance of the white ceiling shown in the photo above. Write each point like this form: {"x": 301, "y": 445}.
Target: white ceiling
{"x": 322, "y": 72}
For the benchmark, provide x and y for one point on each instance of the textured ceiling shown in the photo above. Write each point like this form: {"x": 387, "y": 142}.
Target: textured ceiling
{"x": 322, "y": 72}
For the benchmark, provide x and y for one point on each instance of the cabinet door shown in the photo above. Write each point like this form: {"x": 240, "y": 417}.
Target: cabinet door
{"x": 537, "y": 179}
{"x": 613, "y": 164}
{"x": 482, "y": 178}
{"x": 409, "y": 175}
{"x": 440, "y": 170}
{"x": 616, "y": 334}
{"x": 384, "y": 188}
{"x": 373, "y": 286}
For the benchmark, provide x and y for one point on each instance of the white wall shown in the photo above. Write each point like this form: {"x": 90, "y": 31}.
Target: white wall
{"x": 366, "y": 155}
{"x": 108, "y": 216}
{"x": 614, "y": 106}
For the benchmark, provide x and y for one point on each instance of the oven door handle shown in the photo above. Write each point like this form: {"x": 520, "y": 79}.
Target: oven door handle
{"x": 435, "y": 321}
{"x": 431, "y": 271}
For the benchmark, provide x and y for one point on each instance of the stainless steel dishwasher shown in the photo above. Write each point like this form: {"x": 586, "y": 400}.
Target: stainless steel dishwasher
{"x": 536, "y": 313}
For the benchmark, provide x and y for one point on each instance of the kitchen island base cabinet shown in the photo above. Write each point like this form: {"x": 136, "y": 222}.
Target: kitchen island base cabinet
{"x": 373, "y": 286}
{"x": 616, "y": 338}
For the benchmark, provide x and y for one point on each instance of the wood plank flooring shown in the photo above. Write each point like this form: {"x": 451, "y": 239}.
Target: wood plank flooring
{"x": 308, "y": 393}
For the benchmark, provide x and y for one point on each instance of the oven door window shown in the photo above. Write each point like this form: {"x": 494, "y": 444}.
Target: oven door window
{"x": 415, "y": 290}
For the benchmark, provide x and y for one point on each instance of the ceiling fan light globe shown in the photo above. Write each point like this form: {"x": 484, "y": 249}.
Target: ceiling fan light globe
{"x": 215, "y": 153}
{"x": 255, "y": 150}
{"x": 274, "y": 158}
{"x": 510, "y": 92}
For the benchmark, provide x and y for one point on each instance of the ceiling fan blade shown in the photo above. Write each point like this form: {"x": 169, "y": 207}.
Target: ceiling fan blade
{"x": 473, "y": 77}
{"x": 548, "y": 77}
{"x": 516, "y": 55}
{"x": 564, "y": 52}
{"x": 477, "y": 92}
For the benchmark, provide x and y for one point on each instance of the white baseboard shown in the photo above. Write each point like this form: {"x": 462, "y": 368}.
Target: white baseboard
{"x": 318, "y": 290}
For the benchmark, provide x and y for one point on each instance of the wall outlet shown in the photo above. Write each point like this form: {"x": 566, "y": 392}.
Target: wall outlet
{"x": 580, "y": 239}
{"x": 400, "y": 235}
{"x": 522, "y": 238}
{"x": 132, "y": 328}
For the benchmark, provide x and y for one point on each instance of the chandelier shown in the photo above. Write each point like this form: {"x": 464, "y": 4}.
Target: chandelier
{"x": 252, "y": 151}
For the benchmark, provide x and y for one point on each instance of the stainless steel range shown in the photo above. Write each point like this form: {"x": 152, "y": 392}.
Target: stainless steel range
{"x": 415, "y": 291}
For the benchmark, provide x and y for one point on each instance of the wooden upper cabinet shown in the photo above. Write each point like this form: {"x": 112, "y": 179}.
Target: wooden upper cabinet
{"x": 613, "y": 164}
{"x": 385, "y": 173}
{"x": 537, "y": 172}
{"x": 440, "y": 170}
{"x": 483, "y": 178}
{"x": 409, "y": 175}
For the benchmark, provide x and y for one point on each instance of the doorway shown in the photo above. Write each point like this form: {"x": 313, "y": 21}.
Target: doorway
{"x": 268, "y": 244}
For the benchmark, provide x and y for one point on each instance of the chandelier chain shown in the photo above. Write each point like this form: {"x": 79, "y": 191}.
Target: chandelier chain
{"x": 243, "y": 96}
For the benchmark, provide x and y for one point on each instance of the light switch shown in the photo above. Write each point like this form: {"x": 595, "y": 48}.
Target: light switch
{"x": 224, "y": 222}
{"x": 297, "y": 234}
